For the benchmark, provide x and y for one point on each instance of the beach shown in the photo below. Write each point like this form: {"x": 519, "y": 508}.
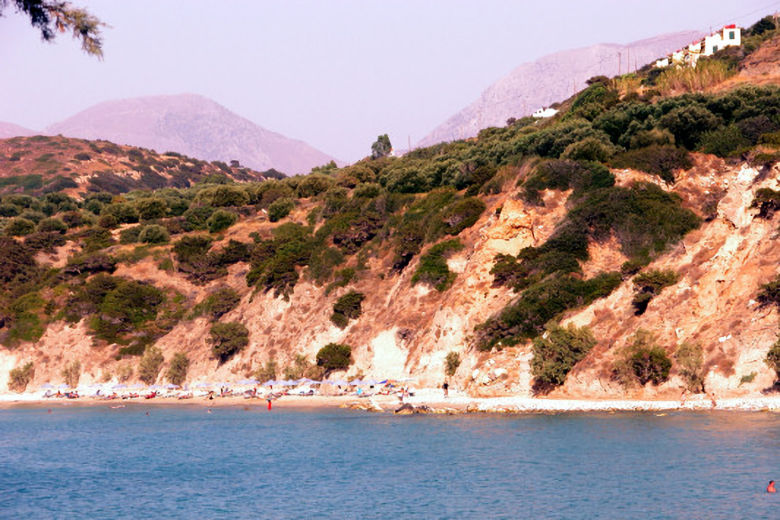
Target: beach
{"x": 424, "y": 401}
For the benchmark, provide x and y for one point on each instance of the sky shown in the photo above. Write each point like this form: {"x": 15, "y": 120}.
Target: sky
{"x": 334, "y": 73}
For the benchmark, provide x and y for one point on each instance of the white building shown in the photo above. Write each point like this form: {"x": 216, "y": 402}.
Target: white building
{"x": 544, "y": 113}
{"x": 729, "y": 36}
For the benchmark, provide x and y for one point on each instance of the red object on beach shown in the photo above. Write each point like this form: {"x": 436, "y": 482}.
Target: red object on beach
{"x": 771, "y": 487}
{"x": 269, "y": 404}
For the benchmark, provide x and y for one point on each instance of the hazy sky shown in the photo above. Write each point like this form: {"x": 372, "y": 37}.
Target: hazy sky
{"x": 334, "y": 73}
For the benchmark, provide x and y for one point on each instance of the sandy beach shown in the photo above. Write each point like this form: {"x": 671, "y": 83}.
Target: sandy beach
{"x": 425, "y": 401}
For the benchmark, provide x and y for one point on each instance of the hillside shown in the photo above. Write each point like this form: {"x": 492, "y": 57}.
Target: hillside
{"x": 43, "y": 164}
{"x": 192, "y": 125}
{"x": 547, "y": 80}
{"x": 625, "y": 248}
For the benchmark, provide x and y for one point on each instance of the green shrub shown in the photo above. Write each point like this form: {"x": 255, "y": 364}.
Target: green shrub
{"x": 52, "y": 225}
{"x": 219, "y": 302}
{"x": 280, "y": 208}
{"x": 690, "y": 359}
{"x": 773, "y": 357}
{"x": 19, "y": 226}
{"x": 556, "y": 352}
{"x": 227, "y": 339}
{"x": 348, "y": 307}
{"x": 724, "y": 141}
{"x": 125, "y": 307}
{"x": 769, "y": 293}
{"x": 267, "y": 372}
{"x": 688, "y": 123}
{"x": 660, "y": 160}
{"x": 334, "y": 356}
{"x": 767, "y": 201}
{"x": 47, "y": 241}
{"x": 451, "y": 364}
{"x": 642, "y": 361}
{"x": 540, "y": 303}
{"x": 149, "y": 365}
{"x": 220, "y": 220}
{"x": 20, "y": 377}
{"x": 433, "y": 269}
{"x": 177, "y": 370}
{"x": 130, "y": 235}
{"x": 195, "y": 218}
{"x": 96, "y": 239}
{"x": 462, "y": 214}
{"x": 562, "y": 174}
{"x": 314, "y": 184}
{"x": 650, "y": 284}
{"x": 151, "y": 208}
{"x": 222, "y": 196}
{"x": 154, "y": 234}
{"x": 71, "y": 374}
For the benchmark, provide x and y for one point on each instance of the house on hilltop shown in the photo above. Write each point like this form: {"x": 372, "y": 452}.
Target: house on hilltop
{"x": 728, "y": 36}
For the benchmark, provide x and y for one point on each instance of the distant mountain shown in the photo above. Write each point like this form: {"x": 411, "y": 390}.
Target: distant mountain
{"x": 12, "y": 130}
{"x": 191, "y": 125}
{"x": 551, "y": 78}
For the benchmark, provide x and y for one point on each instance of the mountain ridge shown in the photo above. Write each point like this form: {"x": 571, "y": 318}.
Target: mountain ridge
{"x": 540, "y": 83}
{"x": 193, "y": 125}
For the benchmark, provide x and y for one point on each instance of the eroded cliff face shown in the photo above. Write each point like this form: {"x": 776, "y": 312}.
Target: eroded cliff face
{"x": 407, "y": 331}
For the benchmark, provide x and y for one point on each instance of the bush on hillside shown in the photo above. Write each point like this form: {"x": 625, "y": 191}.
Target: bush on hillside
{"x": 227, "y": 339}
{"x": 724, "y": 141}
{"x": 433, "y": 269}
{"x": 151, "y": 208}
{"x": 690, "y": 359}
{"x": 556, "y": 352}
{"x": 642, "y": 361}
{"x": 130, "y": 235}
{"x": 267, "y": 372}
{"x": 334, "y": 356}
{"x": 773, "y": 357}
{"x": 177, "y": 370}
{"x": 219, "y": 302}
{"x": 462, "y": 214}
{"x": 20, "y": 377}
{"x": 348, "y": 307}
{"x": 222, "y": 196}
{"x": 47, "y": 241}
{"x": 19, "y": 226}
{"x": 52, "y": 225}
{"x": 220, "y": 220}
{"x": 769, "y": 293}
{"x": 661, "y": 160}
{"x": 649, "y": 285}
{"x": 540, "y": 303}
{"x": 562, "y": 174}
{"x": 280, "y": 208}
{"x": 71, "y": 374}
{"x": 154, "y": 234}
{"x": 149, "y": 365}
{"x": 125, "y": 307}
{"x": 767, "y": 201}
{"x": 451, "y": 364}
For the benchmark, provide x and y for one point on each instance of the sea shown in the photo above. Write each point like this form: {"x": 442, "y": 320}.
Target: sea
{"x": 247, "y": 462}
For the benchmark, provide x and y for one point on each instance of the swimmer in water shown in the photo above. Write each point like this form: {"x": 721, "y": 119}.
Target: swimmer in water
{"x": 208, "y": 411}
{"x": 771, "y": 487}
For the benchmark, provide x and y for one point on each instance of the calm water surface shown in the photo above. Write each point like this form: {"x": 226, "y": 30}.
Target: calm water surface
{"x": 234, "y": 463}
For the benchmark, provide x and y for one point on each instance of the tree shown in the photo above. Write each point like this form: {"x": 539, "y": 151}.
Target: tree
{"x": 381, "y": 147}
{"x": 149, "y": 366}
{"x": 451, "y": 363}
{"x": 50, "y": 16}
{"x": 177, "y": 371}
{"x": 690, "y": 358}
{"x": 20, "y": 377}
{"x": 227, "y": 338}
{"x": 556, "y": 352}
{"x": 334, "y": 356}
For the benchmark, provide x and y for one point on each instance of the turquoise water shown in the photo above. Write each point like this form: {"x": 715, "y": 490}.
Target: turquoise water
{"x": 235, "y": 463}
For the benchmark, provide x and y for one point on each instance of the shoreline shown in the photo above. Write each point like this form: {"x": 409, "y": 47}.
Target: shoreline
{"x": 419, "y": 404}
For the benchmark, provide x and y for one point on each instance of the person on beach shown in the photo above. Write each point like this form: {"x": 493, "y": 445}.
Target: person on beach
{"x": 446, "y": 388}
{"x": 771, "y": 487}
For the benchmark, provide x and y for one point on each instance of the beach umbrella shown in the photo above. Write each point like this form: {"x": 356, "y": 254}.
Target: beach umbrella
{"x": 270, "y": 382}
{"x": 287, "y": 383}
{"x": 171, "y": 386}
{"x": 202, "y": 384}
{"x": 119, "y": 386}
{"x": 47, "y": 385}
{"x": 355, "y": 382}
{"x": 63, "y": 386}
{"x": 155, "y": 387}
{"x": 137, "y": 385}
{"x": 248, "y": 382}
{"x": 369, "y": 382}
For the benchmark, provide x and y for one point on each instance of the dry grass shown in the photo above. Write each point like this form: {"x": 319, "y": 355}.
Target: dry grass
{"x": 707, "y": 74}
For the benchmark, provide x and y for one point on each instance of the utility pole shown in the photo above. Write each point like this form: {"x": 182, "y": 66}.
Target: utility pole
{"x": 628, "y": 60}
